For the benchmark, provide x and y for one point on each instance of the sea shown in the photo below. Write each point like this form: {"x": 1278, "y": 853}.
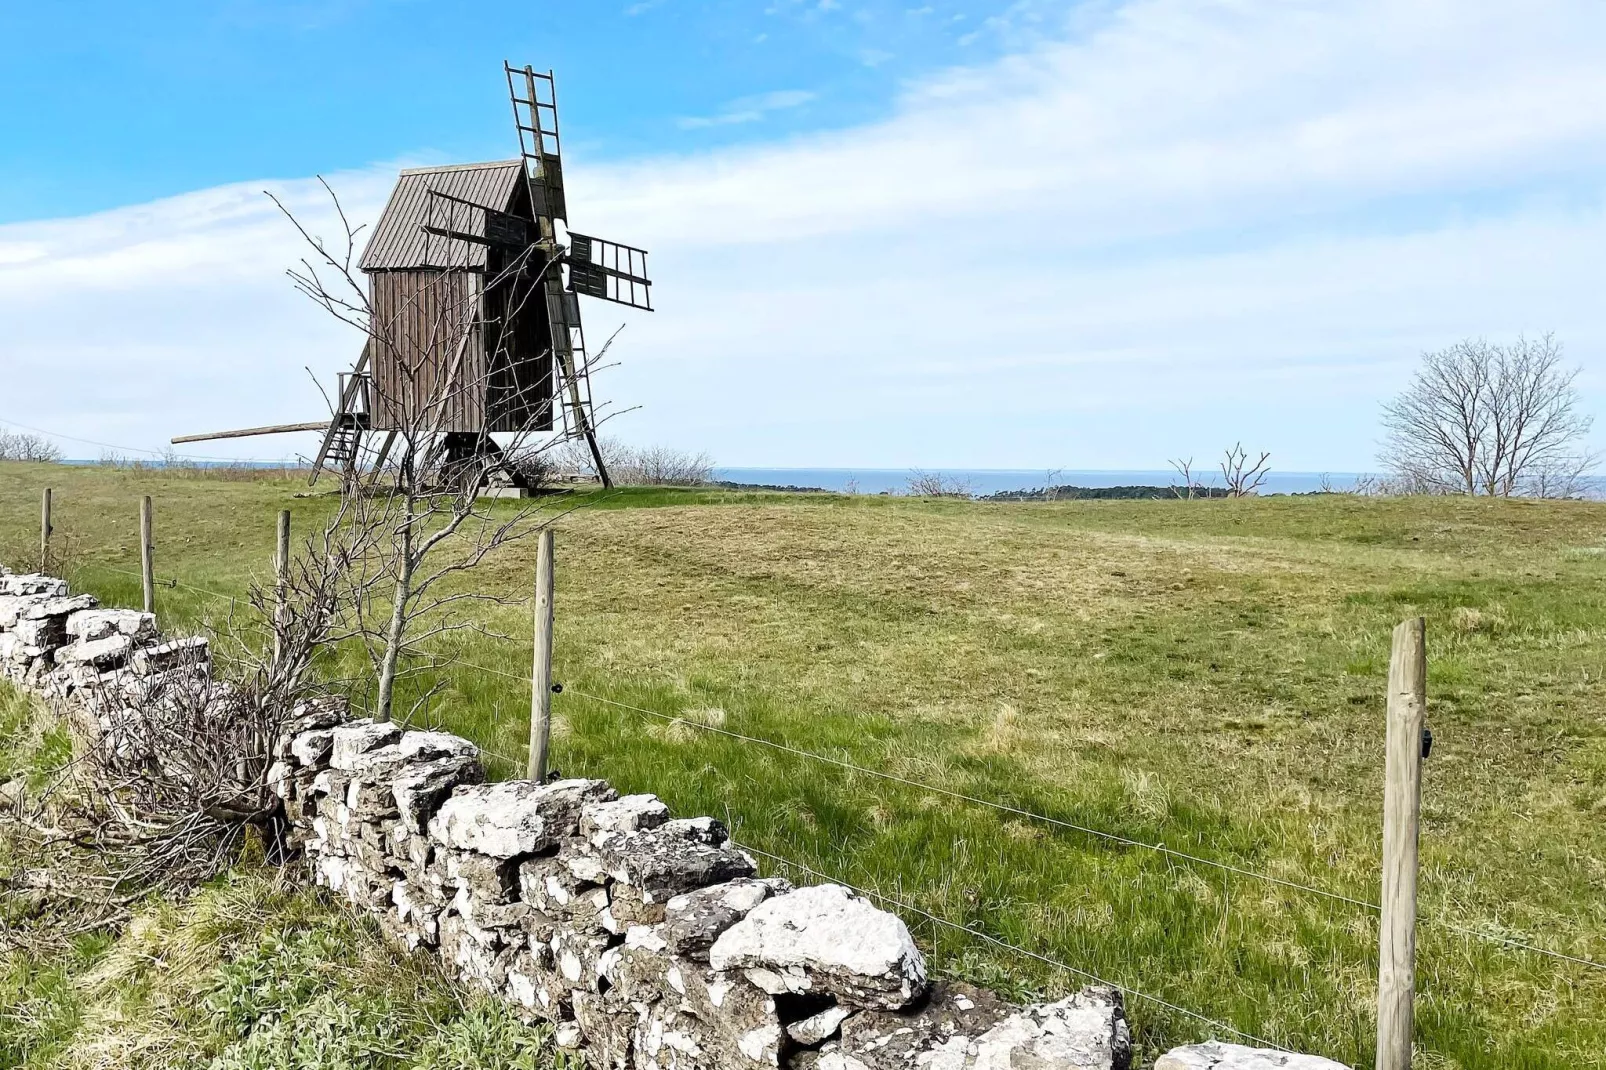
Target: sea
{"x": 984, "y": 481}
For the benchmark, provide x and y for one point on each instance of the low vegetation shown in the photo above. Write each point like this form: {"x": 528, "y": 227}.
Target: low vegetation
{"x": 1207, "y": 675}
{"x": 248, "y": 973}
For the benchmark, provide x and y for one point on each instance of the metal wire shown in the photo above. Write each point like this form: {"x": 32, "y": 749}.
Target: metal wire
{"x": 1159, "y": 848}
{"x": 1449, "y": 926}
{"x": 172, "y": 583}
{"x": 909, "y": 907}
{"x": 1005, "y": 807}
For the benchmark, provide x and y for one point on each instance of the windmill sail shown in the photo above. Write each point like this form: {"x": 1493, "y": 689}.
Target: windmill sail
{"x": 535, "y": 115}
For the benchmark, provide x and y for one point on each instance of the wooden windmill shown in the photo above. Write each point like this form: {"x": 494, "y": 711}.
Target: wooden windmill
{"x": 474, "y": 317}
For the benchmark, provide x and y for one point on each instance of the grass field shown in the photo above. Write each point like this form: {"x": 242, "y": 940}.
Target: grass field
{"x": 1206, "y": 675}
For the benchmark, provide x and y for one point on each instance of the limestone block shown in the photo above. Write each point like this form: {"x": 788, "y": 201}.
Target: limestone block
{"x": 670, "y": 860}
{"x": 516, "y": 817}
{"x": 819, "y": 1027}
{"x": 1087, "y": 1031}
{"x": 426, "y": 746}
{"x": 61, "y": 606}
{"x": 91, "y": 624}
{"x": 488, "y": 879}
{"x": 694, "y": 920}
{"x": 13, "y": 606}
{"x": 352, "y": 741}
{"x": 163, "y": 657}
{"x": 628, "y": 907}
{"x": 420, "y": 789}
{"x": 825, "y": 939}
{"x": 629, "y": 814}
{"x": 1218, "y": 1056}
{"x": 578, "y": 956}
{"x": 32, "y": 583}
{"x": 41, "y": 632}
{"x": 104, "y": 653}
{"x": 312, "y": 747}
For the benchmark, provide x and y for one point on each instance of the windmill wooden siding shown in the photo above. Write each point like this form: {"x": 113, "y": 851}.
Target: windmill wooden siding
{"x": 428, "y": 291}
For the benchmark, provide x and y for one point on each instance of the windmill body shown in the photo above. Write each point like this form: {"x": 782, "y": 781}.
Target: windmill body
{"x": 474, "y": 315}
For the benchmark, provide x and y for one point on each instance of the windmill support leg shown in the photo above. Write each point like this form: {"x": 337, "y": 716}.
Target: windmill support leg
{"x": 583, "y": 420}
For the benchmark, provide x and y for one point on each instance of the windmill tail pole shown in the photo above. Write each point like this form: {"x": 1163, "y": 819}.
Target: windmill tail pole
{"x": 248, "y": 432}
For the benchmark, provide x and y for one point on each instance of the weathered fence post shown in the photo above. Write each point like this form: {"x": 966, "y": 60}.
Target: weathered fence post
{"x": 44, "y": 531}
{"x": 1402, "y": 809}
{"x": 541, "y": 673}
{"x": 281, "y": 582}
{"x": 146, "y": 570}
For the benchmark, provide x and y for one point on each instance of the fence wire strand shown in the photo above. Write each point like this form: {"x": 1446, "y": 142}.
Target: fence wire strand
{"x": 929, "y": 916}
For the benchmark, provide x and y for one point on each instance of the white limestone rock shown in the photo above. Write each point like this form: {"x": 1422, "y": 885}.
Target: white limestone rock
{"x": 351, "y": 741}
{"x": 312, "y": 747}
{"x": 515, "y": 817}
{"x": 59, "y": 606}
{"x": 107, "y": 653}
{"x": 818, "y": 1028}
{"x": 693, "y": 921}
{"x": 163, "y": 657}
{"x": 1087, "y": 1031}
{"x": 13, "y": 606}
{"x": 419, "y": 789}
{"x": 1218, "y": 1056}
{"x": 663, "y": 862}
{"x": 32, "y": 583}
{"x": 825, "y": 939}
{"x": 88, "y": 625}
{"x": 631, "y": 813}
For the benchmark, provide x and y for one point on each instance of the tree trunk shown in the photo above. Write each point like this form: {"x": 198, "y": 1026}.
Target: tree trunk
{"x": 398, "y": 618}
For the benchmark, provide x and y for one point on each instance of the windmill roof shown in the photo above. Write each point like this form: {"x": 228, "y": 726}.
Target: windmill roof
{"x": 399, "y": 242}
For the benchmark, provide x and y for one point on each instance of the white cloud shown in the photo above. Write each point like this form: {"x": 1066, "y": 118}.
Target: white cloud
{"x": 749, "y": 109}
{"x": 1175, "y": 225}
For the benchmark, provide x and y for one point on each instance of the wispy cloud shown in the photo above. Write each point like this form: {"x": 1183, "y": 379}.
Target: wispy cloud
{"x": 1186, "y": 223}
{"x": 749, "y": 109}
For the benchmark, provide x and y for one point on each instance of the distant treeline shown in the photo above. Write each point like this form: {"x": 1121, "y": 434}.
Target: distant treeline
{"x": 1054, "y": 494}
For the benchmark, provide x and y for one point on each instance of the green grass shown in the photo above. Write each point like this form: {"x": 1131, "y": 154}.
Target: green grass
{"x": 1208, "y": 675}
{"x": 249, "y": 973}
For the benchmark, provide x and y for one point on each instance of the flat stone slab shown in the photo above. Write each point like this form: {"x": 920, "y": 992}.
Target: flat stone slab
{"x": 1218, "y": 1056}
{"x": 91, "y": 624}
{"x": 515, "y": 817}
{"x": 825, "y": 940}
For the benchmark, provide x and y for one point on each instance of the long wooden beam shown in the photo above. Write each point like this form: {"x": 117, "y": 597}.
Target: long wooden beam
{"x": 247, "y": 432}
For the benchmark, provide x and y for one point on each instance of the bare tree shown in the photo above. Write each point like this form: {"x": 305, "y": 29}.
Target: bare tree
{"x": 936, "y": 485}
{"x": 1184, "y": 469}
{"x": 642, "y": 466}
{"x": 22, "y": 446}
{"x": 1483, "y": 418}
{"x": 1241, "y": 477}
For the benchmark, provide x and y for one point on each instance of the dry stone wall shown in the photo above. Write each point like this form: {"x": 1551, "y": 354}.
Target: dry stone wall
{"x": 650, "y": 941}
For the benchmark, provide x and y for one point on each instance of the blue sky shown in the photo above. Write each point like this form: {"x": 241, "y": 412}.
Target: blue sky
{"x": 130, "y": 102}
{"x": 1017, "y": 235}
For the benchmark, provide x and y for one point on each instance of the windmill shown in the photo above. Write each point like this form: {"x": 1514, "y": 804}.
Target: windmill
{"x": 474, "y": 282}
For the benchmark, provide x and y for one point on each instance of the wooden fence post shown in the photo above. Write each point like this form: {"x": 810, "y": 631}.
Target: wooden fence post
{"x": 281, "y": 582}
{"x": 146, "y": 569}
{"x": 1402, "y": 811}
{"x": 44, "y": 531}
{"x": 541, "y": 673}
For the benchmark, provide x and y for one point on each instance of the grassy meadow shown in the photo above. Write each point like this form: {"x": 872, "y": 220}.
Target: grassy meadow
{"x": 1206, "y": 675}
